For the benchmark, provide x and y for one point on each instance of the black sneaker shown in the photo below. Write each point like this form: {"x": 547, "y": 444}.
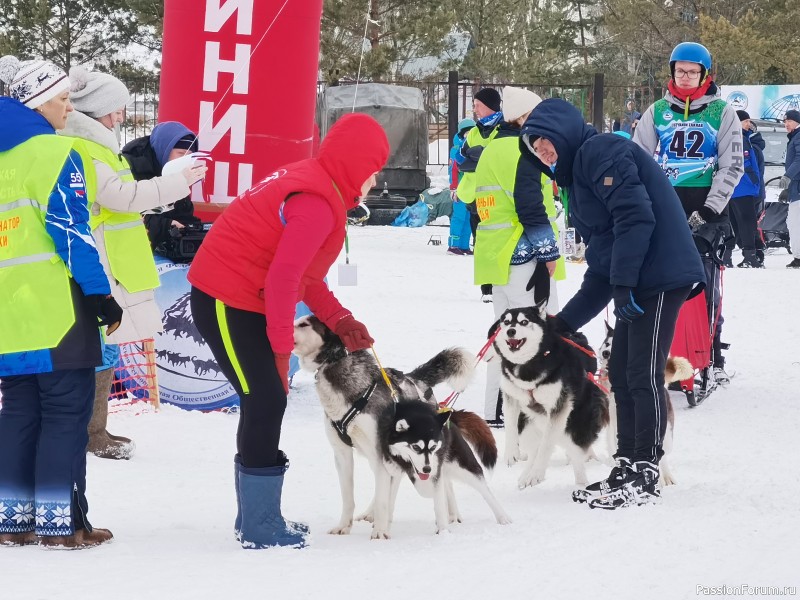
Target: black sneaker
{"x": 642, "y": 487}
{"x": 795, "y": 264}
{"x": 495, "y": 423}
{"x": 750, "y": 263}
{"x": 616, "y": 479}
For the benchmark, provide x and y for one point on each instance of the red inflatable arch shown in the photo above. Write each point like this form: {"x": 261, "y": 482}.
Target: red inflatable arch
{"x": 242, "y": 73}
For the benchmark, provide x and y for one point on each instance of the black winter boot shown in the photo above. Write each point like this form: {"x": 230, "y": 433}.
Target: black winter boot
{"x": 642, "y": 487}
{"x": 616, "y": 479}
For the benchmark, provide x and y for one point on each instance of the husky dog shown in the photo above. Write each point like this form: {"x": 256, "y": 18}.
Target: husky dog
{"x": 677, "y": 369}
{"x": 545, "y": 377}
{"x": 355, "y": 397}
{"x": 433, "y": 448}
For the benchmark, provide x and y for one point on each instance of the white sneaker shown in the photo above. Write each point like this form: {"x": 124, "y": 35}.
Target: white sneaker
{"x": 486, "y": 298}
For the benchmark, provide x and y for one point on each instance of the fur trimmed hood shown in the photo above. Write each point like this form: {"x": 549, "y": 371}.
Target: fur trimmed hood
{"x": 82, "y": 126}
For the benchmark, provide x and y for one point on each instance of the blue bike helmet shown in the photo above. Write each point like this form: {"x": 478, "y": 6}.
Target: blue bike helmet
{"x": 691, "y": 52}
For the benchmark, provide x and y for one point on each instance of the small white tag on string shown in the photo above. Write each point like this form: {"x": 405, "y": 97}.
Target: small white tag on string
{"x": 348, "y": 273}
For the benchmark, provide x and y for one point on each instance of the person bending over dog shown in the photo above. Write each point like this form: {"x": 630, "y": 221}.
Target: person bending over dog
{"x": 270, "y": 249}
{"x": 640, "y": 253}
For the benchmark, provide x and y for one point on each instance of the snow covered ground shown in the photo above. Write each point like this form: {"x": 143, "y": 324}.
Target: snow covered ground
{"x": 732, "y": 519}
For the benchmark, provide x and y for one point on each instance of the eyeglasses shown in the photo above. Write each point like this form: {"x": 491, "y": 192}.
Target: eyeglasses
{"x": 690, "y": 74}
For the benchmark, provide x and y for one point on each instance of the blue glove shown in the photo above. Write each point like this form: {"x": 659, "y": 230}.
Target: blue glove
{"x": 625, "y": 307}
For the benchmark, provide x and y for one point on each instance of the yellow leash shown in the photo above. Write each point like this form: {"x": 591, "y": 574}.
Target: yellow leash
{"x": 392, "y": 391}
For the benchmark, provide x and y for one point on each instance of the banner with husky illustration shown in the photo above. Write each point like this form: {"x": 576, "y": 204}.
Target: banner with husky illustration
{"x": 762, "y": 101}
{"x": 188, "y": 375}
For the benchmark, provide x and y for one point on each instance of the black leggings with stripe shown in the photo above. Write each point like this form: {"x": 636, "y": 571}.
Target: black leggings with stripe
{"x": 238, "y": 340}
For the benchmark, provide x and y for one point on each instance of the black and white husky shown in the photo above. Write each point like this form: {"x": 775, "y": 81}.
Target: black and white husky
{"x": 434, "y": 448}
{"x": 355, "y": 398}
{"x": 547, "y": 392}
{"x": 677, "y": 369}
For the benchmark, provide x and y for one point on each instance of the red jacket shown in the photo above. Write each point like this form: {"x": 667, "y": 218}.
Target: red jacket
{"x": 275, "y": 243}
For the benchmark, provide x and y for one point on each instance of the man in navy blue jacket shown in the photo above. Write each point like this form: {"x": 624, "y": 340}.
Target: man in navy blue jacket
{"x": 640, "y": 253}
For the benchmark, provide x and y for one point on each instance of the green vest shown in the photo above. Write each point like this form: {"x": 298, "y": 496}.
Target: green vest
{"x": 688, "y": 148}
{"x": 127, "y": 246}
{"x": 467, "y": 183}
{"x": 499, "y": 230}
{"x": 36, "y": 310}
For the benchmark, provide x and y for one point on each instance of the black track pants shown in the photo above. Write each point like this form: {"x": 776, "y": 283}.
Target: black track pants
{"x": 636, "y": 372}
{"x": 238, "y": 340}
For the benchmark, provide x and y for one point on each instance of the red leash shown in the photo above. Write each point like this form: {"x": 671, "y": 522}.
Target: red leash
{"x": 451, "y": 399}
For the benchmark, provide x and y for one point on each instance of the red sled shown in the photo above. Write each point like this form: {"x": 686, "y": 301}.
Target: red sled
{"x": 693, "y": 341}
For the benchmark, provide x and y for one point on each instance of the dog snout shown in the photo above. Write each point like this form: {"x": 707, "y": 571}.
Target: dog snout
{"x": 511, "y": 332}
{"x": 606, "y": 354}
{"x": 426, "y": 469}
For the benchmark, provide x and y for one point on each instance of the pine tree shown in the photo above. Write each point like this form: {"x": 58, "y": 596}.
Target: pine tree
{"x": 66, "y": 32}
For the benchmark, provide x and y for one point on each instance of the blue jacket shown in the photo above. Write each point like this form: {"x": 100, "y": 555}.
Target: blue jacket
{"x": 622, "y": 205}
{"x": 752, "y": 182}
{"x": 793, "y": 165}
{"x": 67, "y": 222}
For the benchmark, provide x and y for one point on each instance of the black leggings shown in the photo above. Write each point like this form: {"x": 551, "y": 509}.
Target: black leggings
{"x": 262, "y": 400}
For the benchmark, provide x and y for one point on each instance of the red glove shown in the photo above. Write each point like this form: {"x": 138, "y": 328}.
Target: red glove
{"x": 282, "y": 365}
{"x": 354, "y": 334}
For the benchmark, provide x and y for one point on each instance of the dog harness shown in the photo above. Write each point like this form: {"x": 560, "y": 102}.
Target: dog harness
{"x": 342, "y": 424}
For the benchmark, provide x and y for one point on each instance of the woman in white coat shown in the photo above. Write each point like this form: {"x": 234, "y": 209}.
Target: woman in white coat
{"x": 99, "y": 100}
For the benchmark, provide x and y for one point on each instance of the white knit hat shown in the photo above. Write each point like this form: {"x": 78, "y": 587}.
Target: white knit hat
{"x": 518, "y": 102}
{"x": 97, "y": 94}
{"x": 32, "y": 82}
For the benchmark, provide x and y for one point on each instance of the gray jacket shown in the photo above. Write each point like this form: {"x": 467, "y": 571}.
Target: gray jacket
{"x": 793, "y": 165}
{"x": 730, "y": 157}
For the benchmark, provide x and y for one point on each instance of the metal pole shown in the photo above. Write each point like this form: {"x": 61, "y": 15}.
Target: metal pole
{"x": 452, "y": 107}
{"x": 597, "y": 102}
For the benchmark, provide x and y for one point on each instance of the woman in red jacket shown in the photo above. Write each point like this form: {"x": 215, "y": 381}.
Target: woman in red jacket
{"x": 270, "y": 249}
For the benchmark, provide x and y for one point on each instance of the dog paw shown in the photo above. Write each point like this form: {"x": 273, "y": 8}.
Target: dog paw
{"x": 340, "y": 530}
{"x": 455, "y": 518}
{"x": 366, "y": 516}
{"x": 379, "y": 534}
{"x": 442, "y": 531}
{"x": 530, "y": 480}
{"x": 504, "y": 520}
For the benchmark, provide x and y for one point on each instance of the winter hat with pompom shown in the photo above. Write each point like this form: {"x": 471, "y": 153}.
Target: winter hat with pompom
{"x": 32, "y": 82}
{"x": 97, "y": 94}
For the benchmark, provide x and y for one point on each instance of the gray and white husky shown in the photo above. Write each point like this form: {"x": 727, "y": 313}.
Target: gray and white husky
{"x": 547, "y": 392}
{"x": 677, "y": 369}
{"x": 346, "y": 381}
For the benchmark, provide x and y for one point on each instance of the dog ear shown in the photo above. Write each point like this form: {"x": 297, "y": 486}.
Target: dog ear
{"x": 609, "y": 328}
{"x": 493, "y": 328}
{"x": 401, "y": 426}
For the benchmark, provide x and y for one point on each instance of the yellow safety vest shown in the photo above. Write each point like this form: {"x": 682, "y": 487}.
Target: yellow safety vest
{"x": 36, "y": 310}
{"x": 466, "y": 187}
{"x": 499, "y": 230}
{"x": 127, "y": 245}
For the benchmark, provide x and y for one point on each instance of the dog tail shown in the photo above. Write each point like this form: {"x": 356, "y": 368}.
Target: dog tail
{"x": 678, "y": 369}
{"x": 454, "y": 365}
{"x": 478, "y": 435}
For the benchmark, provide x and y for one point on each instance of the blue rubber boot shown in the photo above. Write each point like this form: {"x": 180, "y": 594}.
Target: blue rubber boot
{"x": 262, "y": 524}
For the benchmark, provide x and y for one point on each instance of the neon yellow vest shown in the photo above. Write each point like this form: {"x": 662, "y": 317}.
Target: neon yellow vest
{"x": 499, "y": 230}
{"x": 36, "y": 310}
{"x": 124, "y": 234}
{"x": 466, "y": 187}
